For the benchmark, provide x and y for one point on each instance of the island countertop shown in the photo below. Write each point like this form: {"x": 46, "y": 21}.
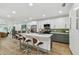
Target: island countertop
{"x": 38, "y": 34}
{"x": 58, "y": 33}
{"x": 45, "y": 38}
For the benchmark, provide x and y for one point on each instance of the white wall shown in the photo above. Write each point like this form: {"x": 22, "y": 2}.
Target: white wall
{"x": 74, "y": 33}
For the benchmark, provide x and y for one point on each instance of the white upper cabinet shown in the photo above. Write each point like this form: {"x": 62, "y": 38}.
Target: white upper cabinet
{"x": 61, "y": 23}
{"x": 58, "y": 23}
{"x": 52, "y": 22}
{"x": 67, "y": 22}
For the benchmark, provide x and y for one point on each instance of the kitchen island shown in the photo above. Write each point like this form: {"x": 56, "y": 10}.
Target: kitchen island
{"x": 45, "y": 38}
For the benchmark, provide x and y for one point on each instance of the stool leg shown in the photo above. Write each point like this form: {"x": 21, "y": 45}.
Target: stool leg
{"x": 20, "y": 43}
{"x": 38, "y": 52}
{"x": 28, "y": 49}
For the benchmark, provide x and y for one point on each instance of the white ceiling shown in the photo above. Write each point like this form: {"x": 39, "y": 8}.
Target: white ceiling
{"x": 24, "y": 11}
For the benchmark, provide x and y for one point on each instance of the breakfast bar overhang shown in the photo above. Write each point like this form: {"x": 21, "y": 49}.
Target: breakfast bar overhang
{"x": 45, "y": 38}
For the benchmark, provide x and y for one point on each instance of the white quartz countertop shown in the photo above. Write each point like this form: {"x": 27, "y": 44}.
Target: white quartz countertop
{"x": 42, "y": 35}
{"x": 36, "y": 34}
{"x": 58, "y": 33}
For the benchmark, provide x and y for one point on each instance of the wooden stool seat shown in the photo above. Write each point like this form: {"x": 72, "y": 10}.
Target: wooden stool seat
{"x": 34, "y": 41}
{"x": 24, "y": 38}
{"x": 28, "y": 40}
{"x": 19, "y": 35}
{"x": 40, "y": 43}
{"x": 20, "y": 38}
{"x": 16, "y": 36}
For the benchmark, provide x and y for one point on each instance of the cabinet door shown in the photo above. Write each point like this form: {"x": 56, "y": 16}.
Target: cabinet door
{"x": 67, "y": 23}
{"x": 59, "y": 23}
{"x": 61, "y": 38}
{"x": 52, "y": 24}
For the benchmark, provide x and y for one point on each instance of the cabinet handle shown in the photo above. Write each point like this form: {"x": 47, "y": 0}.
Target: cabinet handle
{"x": 70, "y": 23}
{"x": 77, "y": 19}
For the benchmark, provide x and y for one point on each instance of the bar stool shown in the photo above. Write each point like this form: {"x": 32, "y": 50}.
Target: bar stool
{"x": 24, "y": 39}
{"x": 16, "y": 36}
{"x": 28, "y": 48}
{"x": 34, "y": 44}
{"x": 38, "y": 46}
{"x": 34, "y": 41}
{"x": 22, "y": 42}
{"x": 20, "y": 38}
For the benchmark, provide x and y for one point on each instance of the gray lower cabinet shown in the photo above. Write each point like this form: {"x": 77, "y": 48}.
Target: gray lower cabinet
{"x": 64, "y": 38}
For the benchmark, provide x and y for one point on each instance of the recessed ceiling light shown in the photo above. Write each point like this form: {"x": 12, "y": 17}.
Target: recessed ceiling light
{"x": 30, "y": 4}
{"x": 8, "y": 15}
{"x": 13, "y": 12}
{"x": 44, "y": 15}
{"x": 60, "y": 12}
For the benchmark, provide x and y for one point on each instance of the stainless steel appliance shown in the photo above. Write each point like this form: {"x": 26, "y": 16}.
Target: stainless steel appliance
{"x": 47, "y": 28}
